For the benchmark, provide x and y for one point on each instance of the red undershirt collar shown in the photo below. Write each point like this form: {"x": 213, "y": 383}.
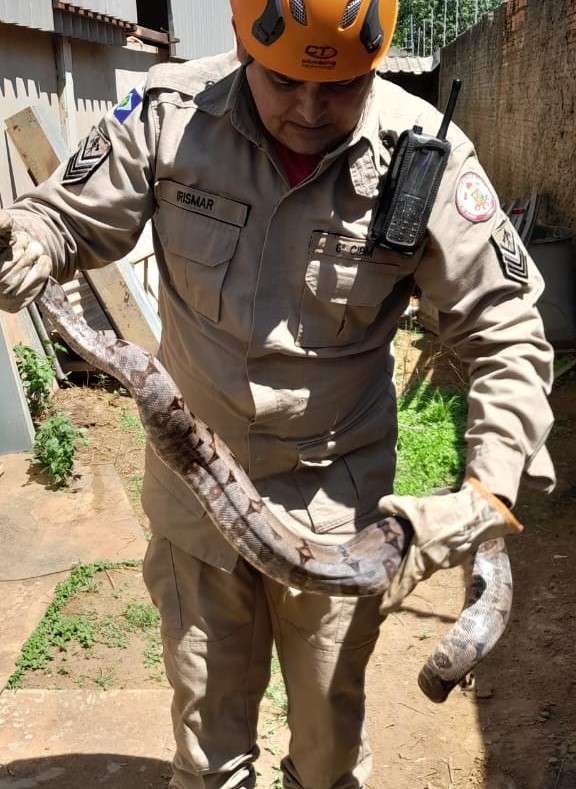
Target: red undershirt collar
{"x": 297, "y": 166}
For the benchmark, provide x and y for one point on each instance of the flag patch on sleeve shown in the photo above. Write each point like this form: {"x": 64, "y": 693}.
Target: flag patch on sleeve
{"x": 511, "y": 253}
{"x": 475, "y": 200}
{"x": 126, "y": 107}
{"x": 90, "y": 154}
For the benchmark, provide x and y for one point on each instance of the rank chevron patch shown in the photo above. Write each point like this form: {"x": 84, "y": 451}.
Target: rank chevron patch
{"x": 89, "y": 156}
{"x": 511, "y": 253}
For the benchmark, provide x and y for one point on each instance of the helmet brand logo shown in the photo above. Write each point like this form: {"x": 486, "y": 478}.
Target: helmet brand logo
{"x": 321, "y": 53}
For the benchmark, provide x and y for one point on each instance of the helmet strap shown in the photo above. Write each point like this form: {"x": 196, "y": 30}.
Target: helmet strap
{"x": 372, "y": 34}
{"x": 271, "y": 25}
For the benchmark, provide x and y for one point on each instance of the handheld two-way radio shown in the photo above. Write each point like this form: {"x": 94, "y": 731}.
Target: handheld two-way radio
{"x": 411, "y": 185}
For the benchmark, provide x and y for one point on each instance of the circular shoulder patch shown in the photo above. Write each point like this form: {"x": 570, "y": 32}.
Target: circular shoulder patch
{"x": 475, "y": 199}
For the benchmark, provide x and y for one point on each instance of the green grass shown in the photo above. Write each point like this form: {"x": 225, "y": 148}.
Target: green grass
{"x": 105, "y": 678}
{"x": 431, "y": 450}
{"x": 276, "y": 690}
{"x": 130, "y": 423}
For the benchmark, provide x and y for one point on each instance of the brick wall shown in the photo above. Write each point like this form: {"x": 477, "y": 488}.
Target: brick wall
{"x": 518, "y": 102}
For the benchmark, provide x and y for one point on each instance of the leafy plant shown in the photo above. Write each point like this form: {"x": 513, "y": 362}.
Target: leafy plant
{"x": 76, "y": 627}
{"x": 112, "y": 633}
{"x": 56, "y": 629}
{"x": 153, "y": 651}
{"x": 141, "y": 616}
{"x": 55, "y": 447}
{"x": 37, "y": 375}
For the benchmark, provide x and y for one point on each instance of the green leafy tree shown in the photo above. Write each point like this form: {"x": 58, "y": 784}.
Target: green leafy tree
{"x": 424, "y": 25}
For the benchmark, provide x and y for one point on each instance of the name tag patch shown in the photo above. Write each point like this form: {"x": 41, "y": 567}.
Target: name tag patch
{"x": 88, "y": 158}
{"x": 198, "y": 201}
{"x": 511, "y": 253}
{"x": 341, "y": 246}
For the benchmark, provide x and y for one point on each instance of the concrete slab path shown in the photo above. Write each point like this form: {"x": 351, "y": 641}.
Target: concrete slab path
{"x": 44, "y": 533}
{"x": 52, "y": 739}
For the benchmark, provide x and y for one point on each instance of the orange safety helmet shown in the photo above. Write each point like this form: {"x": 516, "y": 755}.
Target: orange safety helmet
{"x": 316, "y": 40}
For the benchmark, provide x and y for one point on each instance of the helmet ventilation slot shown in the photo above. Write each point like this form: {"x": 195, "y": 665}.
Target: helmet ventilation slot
{"x": 350, "y": 13}
{"x": 298, "y": 10}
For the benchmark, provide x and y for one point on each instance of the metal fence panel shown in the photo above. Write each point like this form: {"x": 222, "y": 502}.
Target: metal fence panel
{"x": 120, "y": 9}
{"x": 75, "y": 26}
{"x": 36, "y": 14}
{"x": 204, "y": 27}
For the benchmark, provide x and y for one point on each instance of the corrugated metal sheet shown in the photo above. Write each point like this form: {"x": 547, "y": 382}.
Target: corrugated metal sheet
{"x": 204, "y": 28}
{"x": 85, "y": 303}
{"x": 408, "y": 64}
{"x": 88, "y": 29}
{"x": 119, "y": 9}
{"x": 36, "y": 14}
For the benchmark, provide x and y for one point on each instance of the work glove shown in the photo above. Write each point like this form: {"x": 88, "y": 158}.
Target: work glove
{"x": 448, "y": 527}
{"x": 24, "y": 265}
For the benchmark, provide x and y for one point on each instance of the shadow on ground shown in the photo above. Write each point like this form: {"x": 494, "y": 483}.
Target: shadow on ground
{"x": 527, "y": 689}
{"x": 90, "y": 771}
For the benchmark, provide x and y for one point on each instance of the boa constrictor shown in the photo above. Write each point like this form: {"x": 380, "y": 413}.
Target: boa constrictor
{"x": 362, "y": 566}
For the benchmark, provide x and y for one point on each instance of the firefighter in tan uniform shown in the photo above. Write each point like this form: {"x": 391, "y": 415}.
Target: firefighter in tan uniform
{"x": 277, "y": 316}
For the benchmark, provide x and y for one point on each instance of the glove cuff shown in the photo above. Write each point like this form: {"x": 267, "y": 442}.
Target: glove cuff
{"x": 511, "y": 521}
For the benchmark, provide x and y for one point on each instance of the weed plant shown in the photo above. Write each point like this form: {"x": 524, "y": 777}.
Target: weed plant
{"x": 56, "y": 630}
{"x": 37, "y": 375}
{"x": 55, "y": 447}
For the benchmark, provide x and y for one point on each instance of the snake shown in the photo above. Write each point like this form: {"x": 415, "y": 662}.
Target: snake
{"x": 362, "y": 566}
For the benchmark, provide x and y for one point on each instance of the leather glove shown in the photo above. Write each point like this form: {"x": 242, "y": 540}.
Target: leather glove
{"x": 24, "y": 265}
{"x": 448, "y": 527}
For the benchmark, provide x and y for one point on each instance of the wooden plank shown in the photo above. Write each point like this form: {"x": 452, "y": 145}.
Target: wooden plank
{"x": 16, "y": 428}
{"x": 18, "y": 327}
{"x": 66, "y": 93}
{"x": 38, "y": 141}
{"x": 126, "y": 303}
{"x": 118, "y": 289}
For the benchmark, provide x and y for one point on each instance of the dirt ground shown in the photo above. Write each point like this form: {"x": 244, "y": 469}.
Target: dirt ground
{"x": 514, "y": 729}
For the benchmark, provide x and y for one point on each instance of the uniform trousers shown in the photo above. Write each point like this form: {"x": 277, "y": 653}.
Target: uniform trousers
{"x": 218, "y": 629}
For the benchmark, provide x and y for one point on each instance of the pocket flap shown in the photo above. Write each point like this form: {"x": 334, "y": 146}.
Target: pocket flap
{"x": 356, "y": 284}
{"x": 196, "y": 237}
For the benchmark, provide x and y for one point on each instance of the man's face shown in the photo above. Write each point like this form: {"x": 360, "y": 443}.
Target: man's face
{"x": 307, "y": 117}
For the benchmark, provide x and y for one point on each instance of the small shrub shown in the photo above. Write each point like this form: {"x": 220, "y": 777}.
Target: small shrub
{"x": 37, "y": 375}
{"x": 141, "y": 616}
{"x": 55, "y": 447}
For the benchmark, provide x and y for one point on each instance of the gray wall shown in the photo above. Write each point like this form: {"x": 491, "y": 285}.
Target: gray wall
{"x": 30, "y": 13}
{"x": 102, "y": 76}
{"x": 204, "y": 28}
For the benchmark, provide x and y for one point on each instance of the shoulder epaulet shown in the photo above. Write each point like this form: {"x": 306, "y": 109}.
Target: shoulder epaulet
{"x": 191, "y": 77}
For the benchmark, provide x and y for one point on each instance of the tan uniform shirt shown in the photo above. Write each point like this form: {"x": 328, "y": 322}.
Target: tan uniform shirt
{"x": 277, "y": 319}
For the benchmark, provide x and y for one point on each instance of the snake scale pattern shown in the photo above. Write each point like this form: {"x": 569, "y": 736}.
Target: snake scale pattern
{"x": 362, "y": 566}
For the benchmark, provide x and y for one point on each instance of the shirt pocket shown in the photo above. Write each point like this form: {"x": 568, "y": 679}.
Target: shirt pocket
{"x": 344, "y": 289}
{"x": 197, "y": 251}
